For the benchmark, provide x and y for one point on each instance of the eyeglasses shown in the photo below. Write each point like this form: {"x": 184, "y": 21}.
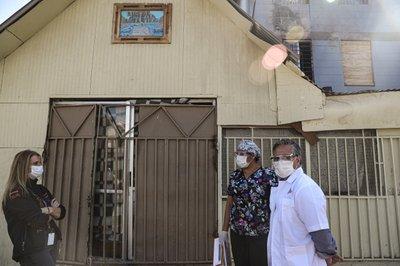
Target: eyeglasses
{"x": 282, "y": 157}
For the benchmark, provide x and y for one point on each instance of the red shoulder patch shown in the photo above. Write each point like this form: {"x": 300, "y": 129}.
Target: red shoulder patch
{"x": 16, "y": 193}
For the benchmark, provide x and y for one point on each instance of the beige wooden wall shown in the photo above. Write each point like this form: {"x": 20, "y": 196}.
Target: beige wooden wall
{"x": 73, "y": 57}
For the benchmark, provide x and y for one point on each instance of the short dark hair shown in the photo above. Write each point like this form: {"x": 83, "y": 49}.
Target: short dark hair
{"x": 296, "y": 148}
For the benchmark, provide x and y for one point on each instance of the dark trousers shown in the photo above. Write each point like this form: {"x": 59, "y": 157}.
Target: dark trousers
{"x": 249, "y": 250}
{"x": 40, "y": 258}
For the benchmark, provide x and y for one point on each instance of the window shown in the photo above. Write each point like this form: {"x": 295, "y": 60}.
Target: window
{"x": 304, "y": 50}
{"x": 353, "y": 2}
{"x": 357, "y": 63}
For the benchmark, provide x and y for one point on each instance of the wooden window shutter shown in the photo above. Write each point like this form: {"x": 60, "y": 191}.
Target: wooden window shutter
{"x": 357, "y": 63}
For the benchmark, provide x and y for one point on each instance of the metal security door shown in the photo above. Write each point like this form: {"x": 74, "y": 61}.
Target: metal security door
{"x": 175, "y": 179}
{"x": 69, "y": 163}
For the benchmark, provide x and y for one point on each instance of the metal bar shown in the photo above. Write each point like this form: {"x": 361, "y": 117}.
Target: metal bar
{"x": 368, "y": 201}
{"x": 227, "y": 171}
{"x": 126, "y": 204}
{"x": 371, "y": 243}
{"x": 356, "y": 170}
{"x": 105, "y": 197}
{"x": 234, "y": 149}
{"x": 79, "y": 193}
{"x": 155, "y": 197}
{"x": 94, "y": 173}
{"x": 135, "y": 196}
{"x": 149, "y": 138}
{"x": 69, "y": 194}
{"x": 339, "y": 195}
{"x": 74, "y": 138}
{"x": 262, "y": 152}
{"x": 115, "y": 203}
{"x": 187, "y": 197}
{"x": 53, "y": 189}
{"x": 395, "y": 202}
{"x": 63, "y": 228}
{"x": 197, "y": 200}
{"x": 166, "y": 201}
{"x": 365, "y": 165}
{"x": 396, "y": 192}
{"x": 319, "y": 165}
{"x": 380, "y": 164}
{"x": 359, "y": 228}
{"x": 376, "y": 201}
{"x": 348, "y": 199}
{"x": 308, "y": 157}
{"x": 321, "y": 138}
{"x": 145, "y": 197}
{"x": 329, "y": 168}
{"x": 219, "y": 184}
{"x": 375, "y": 173}
{"x": 270, "y": 146}
{"x": 177, "y": 200}
{"x": 386, "y": 203}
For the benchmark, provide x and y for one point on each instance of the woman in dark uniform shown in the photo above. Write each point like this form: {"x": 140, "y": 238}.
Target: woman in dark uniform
{"x": 29, "y": 209}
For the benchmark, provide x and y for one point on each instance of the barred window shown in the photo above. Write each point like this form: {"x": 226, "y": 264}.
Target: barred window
{"x": 343, "y": 163}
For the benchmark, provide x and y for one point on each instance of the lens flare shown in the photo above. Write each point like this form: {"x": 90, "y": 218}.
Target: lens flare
{"x": 274, "y": 57}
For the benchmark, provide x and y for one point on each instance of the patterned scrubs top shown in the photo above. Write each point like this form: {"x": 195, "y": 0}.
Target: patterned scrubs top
{"x": 250, "y": 209}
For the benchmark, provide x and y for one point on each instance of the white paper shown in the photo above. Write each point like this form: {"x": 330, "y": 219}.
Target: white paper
{"x": 217, "y": 253}
{"x": 50, "y": 239}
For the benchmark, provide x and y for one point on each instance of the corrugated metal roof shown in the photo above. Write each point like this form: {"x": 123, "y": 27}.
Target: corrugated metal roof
{"x": 337, "y": 93}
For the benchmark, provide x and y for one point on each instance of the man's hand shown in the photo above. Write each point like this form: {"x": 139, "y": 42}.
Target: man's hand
{"x": 333, "y": 259}
{"x": 223, "y": 236}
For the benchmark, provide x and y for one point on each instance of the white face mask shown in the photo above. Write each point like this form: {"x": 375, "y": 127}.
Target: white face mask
{"x": 283, "y": 168}
{"x": 241, "y": 161}
{"x": 36, "y": 171}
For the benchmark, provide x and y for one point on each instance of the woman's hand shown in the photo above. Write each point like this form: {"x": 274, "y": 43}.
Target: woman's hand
{"x": 55, "y": 203}
{"x": 47, "y": 210}
{"x": 333, "y": 259}
{"x": 56, "y": 213}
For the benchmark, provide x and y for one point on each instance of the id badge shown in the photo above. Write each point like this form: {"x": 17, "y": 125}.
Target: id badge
{"x": 50, "y": 239}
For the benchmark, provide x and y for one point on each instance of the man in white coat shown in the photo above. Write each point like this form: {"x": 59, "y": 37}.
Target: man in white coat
{"x": 299, "y": 229}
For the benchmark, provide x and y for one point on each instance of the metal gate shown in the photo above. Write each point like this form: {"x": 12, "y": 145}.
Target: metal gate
{"x": 69, "y": 163}
{"x": 151, "y": 189}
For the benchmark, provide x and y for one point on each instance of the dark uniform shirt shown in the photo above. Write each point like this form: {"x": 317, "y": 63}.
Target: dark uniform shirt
{"x": 250, "y": 209}
{"x": 27, "y": 226}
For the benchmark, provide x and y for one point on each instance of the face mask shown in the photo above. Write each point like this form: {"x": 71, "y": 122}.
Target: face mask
{"x": 283, "y": 168}
{"x": 36, "y": 171}
{"x": 241, "y": 161}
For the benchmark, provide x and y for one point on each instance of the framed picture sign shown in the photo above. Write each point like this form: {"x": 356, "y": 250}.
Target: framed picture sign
{"x": 142, "y": 23}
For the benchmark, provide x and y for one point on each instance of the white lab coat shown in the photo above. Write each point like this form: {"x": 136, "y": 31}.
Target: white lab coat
{"x": 298, "y": 207}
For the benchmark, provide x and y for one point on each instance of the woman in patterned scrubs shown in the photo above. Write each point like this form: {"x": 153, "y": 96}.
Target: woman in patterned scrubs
{"x": 247, "y": 207}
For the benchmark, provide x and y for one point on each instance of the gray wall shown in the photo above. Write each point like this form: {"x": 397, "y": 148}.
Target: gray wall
{"x": 326, "y": 24}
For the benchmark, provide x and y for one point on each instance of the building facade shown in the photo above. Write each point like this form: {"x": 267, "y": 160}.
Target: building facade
{"x": 138, "y": 138}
